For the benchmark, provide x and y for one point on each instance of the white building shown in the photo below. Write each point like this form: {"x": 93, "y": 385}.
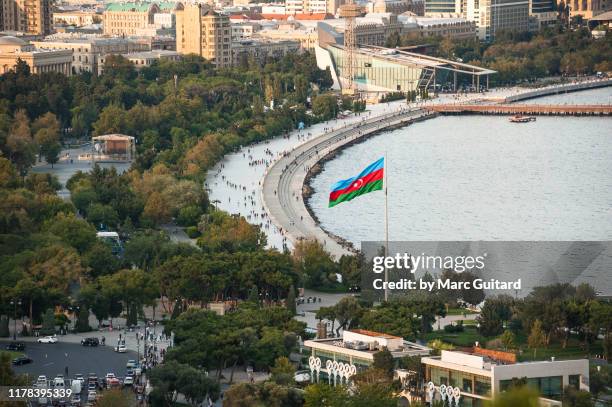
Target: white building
{"x": 480, "y": 375}
{"x": 492, "y": 16}
{"x": 340, "y": 358}
{"x": 273, "y": 8}
{"x": 244, "y": 30}
{"x": 88, "y": 51}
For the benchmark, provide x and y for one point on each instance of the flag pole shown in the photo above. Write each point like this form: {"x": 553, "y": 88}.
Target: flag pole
{"x": 386, "y": 169}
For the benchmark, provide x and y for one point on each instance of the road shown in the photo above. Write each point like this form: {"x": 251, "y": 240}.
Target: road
{"x": 52, "y": 359}
{"x": 283, "y": 182}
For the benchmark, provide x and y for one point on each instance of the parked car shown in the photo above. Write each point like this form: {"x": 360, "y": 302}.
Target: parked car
{"x": 41, "y": 381}
{"x": 90, "y": 341}
{"x": 128, "y": 381}
{"x": 16, "y": 346}
{"x": 22, "y": 360}
{"x": 92, "y": 395}
{"x": 131, "y": 364}
{"x": 80, "y": 378}
{"x": 48, "y": 339}
{"x": 121, "y": 348}
{"x": 59, "y": 381}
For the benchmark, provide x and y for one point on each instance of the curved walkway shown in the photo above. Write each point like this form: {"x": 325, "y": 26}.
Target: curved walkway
{"x": 283, "y": 182}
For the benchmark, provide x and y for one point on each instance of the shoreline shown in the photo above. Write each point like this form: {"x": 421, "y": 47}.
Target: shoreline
{"x": 306, "y": 190}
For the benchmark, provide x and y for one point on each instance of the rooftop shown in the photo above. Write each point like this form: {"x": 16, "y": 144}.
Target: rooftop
{"x": 374, "y": 334}
{"x": 338, "y": 346}
{"x": 411, "y": 58}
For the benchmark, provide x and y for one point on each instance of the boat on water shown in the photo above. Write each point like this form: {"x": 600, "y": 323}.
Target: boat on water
{"x": 522, "y": 119}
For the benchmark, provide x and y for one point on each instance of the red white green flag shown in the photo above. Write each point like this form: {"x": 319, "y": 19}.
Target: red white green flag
{"x": 368, "y": 180}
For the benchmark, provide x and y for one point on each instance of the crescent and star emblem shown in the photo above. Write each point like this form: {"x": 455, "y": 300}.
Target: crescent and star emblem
{"x": 358, "y": 183}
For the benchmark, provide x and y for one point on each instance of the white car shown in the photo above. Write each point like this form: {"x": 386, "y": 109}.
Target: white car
{"x": 128, "y": 381}
{"x": 92, "y": 396}
{"x": 47, "y": 339}
{"x": 41, "y": 381}
{"x": 131, "y": 364}
{"x": 121, "y": 349}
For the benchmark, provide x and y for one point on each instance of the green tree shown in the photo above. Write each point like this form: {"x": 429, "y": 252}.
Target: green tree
{"x": 112, "y": 398}
{"x": 536, "y": 337}
{"x": 291, "y": 300}
{"x": 283, "y": 371}
{"x": 76, "y": 232}
{"x": 508, "y": 339}
{"x": 48, "y": 325}
{"x": 325, "y": 107}
{"x": 384, "y": 361}
{"x": 82, "y": 322}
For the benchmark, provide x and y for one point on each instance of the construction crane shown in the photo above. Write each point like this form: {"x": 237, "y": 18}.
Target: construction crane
{"x": 349, "y": 11}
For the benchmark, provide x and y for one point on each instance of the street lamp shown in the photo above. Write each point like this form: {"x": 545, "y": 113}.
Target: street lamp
{"x": 15, "y": 302}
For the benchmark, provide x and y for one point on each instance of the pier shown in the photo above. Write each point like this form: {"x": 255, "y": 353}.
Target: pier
{"x": 513, "y": 109}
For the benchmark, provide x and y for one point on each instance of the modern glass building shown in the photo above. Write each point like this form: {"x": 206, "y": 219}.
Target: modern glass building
{"x": 379, "y": 69}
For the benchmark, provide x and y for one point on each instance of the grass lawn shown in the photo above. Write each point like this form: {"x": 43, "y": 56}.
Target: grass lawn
{"x": 466, "y": 338}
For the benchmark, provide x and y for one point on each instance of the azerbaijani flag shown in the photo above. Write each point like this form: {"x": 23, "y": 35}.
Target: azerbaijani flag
{"x": 368, "y": 180}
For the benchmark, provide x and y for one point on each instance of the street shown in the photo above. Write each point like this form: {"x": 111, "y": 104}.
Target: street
{"x": 52, "y": 359}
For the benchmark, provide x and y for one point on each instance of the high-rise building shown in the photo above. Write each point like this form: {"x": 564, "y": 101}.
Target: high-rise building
{"x": 27, "y": 16}
{"x": 442, "y": 6}
{"x": 205, "y": 32}
{"x": 494, "y": 16}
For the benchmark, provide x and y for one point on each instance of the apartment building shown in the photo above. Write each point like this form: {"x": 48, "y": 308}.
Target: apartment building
{"x": 493, "y": 16}
{"x": 205, "y": 32}
{"x": 312, "y": 6}
{"x": 77, "y": 18}
{"x": 88, "y": 51}
{"x": 27, "y": 16}
{"x": 127, "y": 18}
{"x": 261, "y": 49}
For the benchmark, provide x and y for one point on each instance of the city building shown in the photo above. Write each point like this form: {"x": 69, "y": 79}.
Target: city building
{"x": 88, "y": 51}
{"x": 205, "y": 32}
{"x": 26, "y": 16}
{"x": 39, "y": 60}
{"x": 307, "y": 36}
{"x": 453, "y": 27}
{"x": 244, "y": 30}
{"x": 145, "y": 58}
{"x": 77, "y": 18}
{"x": 337, "y": 359}
{"x": 478, "y": 375}
{"x": 443, "y": 6}
{"x": 372, "y": 29}
{"x": 381, "y": 70}
{"x": 492, "y": 16}
{"x": 588, "y": 9}
{"x": 390, "y": 6}
{"x": 127, "y": 18}
{"x": 261, "y": 49}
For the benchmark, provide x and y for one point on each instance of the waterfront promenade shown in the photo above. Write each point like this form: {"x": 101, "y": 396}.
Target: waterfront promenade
{"x": 283, "y": 184}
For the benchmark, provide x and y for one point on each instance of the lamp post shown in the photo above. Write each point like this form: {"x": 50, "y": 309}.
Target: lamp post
{"x": 15, "y": 302}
